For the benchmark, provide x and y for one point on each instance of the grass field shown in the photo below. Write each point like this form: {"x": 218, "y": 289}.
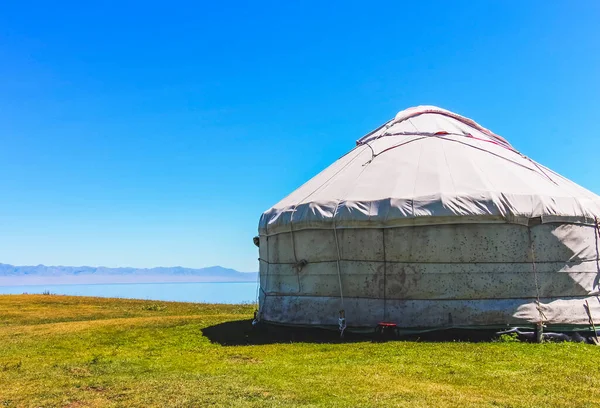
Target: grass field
{"x": 90, "y": 352}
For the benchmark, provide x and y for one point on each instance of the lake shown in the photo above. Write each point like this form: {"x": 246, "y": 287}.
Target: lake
{"x": 209, "y": 292}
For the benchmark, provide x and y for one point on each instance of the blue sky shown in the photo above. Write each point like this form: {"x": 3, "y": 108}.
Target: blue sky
{"x": 140, "y": 134}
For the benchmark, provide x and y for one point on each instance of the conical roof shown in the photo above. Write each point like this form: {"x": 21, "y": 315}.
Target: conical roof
{"x": 430, "y": 166}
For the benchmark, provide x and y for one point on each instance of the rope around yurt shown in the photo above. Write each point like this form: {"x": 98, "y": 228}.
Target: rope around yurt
{"x": 342, "y": 318}
{"x": 299, "y": 265}
{"x": 591, "y": 320}
{"x": 543, "y": 318}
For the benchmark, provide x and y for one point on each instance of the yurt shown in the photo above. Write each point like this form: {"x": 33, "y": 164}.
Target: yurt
{"x": 432, "y": 222}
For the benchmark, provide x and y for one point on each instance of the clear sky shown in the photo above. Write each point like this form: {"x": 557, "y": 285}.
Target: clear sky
{"x": 141, "y": 134}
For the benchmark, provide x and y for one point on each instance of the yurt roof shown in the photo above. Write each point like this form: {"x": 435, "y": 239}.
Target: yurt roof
{"x": 431, "y": 166}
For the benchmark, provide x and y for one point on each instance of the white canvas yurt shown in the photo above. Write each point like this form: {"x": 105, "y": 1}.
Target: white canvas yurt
{"x": 432, "y": 221}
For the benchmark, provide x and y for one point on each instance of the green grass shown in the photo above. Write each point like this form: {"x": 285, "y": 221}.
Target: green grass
{"x": 80, "y": 352}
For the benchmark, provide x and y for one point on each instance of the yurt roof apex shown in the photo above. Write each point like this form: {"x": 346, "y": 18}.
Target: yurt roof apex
{"x": 430, "y": 120}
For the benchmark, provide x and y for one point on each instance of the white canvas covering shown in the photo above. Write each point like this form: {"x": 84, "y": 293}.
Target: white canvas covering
{"x": 431, "y": 220}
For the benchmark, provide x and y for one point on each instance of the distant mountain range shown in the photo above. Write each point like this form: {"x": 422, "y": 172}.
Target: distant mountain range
{"x": 42, "y": 274}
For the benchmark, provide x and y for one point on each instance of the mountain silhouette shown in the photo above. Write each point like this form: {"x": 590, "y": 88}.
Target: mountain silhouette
{"x": 42, "y": 274}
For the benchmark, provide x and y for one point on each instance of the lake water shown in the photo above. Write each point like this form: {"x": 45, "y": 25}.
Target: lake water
{"x": 211, "y": 292}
